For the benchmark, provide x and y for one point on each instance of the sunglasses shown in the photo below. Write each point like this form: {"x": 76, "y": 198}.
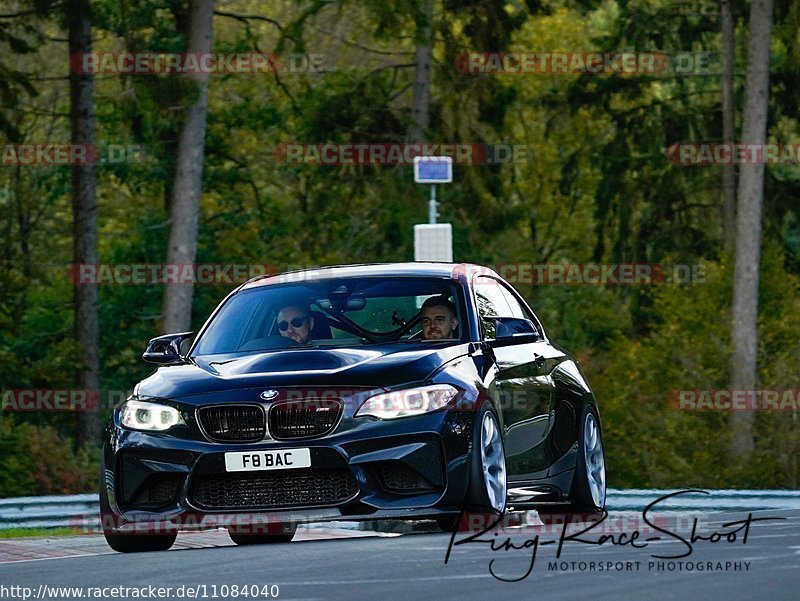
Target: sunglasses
{"x": 296, "y": 323}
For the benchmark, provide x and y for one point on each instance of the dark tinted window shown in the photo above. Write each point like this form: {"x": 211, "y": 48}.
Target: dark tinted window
{"x": 337, "y": 312}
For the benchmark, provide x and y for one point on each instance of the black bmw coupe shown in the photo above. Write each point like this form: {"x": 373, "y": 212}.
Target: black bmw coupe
{"x": 410, "y": 391}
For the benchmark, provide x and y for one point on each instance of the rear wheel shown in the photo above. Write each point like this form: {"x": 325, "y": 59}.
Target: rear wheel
{"x": 588, "y": 493}
{"x": 589, "y": 487}
{"x": 277, "y": 533}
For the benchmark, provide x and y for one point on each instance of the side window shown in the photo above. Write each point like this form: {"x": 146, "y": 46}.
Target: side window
{"x": 491, "y": 303}
{"x": 517, "y": 310}
{"x": 490, "y": 297}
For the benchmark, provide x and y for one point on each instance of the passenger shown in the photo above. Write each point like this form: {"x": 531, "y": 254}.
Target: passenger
{"x": 295, "y": 322}
{"x": 438, "y": 318}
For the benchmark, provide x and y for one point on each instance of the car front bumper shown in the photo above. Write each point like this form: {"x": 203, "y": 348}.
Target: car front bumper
{"x": 409, "y": 468}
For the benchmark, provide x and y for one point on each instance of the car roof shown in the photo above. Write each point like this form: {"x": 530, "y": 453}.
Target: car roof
{"x": 455, "y": 271}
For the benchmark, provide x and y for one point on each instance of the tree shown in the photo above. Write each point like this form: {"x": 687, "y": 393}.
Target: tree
{"x": 185, "y": 200}
{"x": 84, "y": 215}
{"x": 728, "y": 171}
{"x": 748, "y": 225}
{"x": 421, "y": 100}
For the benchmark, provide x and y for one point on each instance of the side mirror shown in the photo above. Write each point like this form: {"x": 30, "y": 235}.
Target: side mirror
{"x": 165, "y": 349}
{"x": 511, "y": 330}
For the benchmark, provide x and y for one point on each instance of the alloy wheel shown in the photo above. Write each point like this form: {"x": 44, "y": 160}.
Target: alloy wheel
{"x": 594, "y": 460}
{"x": 493, "y": 460}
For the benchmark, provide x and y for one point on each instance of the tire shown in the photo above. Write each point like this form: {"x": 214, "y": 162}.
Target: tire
{"x": 133, "y": 542}
{"x": 588, "y": 494}
{"x": 284, "y": 534}
{"x": 488, "y": 477}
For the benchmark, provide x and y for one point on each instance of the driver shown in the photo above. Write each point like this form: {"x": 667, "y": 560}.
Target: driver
{"x": 438, "y": 318}
{"x": 295, "y": 322}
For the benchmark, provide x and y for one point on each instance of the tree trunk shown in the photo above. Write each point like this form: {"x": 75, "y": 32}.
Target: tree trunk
{"x": 23, "y": 223}
{"x": 421, "y": 99}
{"x": 84, "y": 218}
{"x": 185, "y": 200}
{"x": 748, "y": 231}
{"x": 728, "y": 171}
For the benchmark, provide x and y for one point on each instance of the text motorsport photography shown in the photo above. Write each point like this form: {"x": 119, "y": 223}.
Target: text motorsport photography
{"x": 667, "y": 541}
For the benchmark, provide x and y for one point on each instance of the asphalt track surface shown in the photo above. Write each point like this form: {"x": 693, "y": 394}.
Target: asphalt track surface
{"x": 343, "y": 565}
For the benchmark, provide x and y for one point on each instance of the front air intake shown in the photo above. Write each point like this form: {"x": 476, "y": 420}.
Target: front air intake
{"x": 233, "y": 423}
{"x": 290, "y": 420}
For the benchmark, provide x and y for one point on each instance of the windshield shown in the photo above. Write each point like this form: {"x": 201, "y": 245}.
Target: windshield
{"x": 334, "y": 313}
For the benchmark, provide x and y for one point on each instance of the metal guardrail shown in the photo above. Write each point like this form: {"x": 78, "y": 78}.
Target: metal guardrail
{"x": 636, "y": 499}
{"x": 83, "y": 511}
{"x": 57, "y": 511}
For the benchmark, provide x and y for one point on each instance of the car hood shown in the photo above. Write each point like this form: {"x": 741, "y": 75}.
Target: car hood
{"x": 378, "y": 366}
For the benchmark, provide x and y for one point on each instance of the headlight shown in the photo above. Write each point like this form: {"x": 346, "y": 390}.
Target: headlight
{"x": 411, "y": 401}
{"x": 138, "y": 415}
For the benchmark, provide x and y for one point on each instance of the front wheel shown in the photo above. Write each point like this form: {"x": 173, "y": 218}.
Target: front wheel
{"x": 487, "y": 486}
{"x": 130, "y": 542}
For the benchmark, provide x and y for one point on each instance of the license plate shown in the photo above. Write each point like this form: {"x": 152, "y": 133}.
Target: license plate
{"x": 282, "y": 459}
